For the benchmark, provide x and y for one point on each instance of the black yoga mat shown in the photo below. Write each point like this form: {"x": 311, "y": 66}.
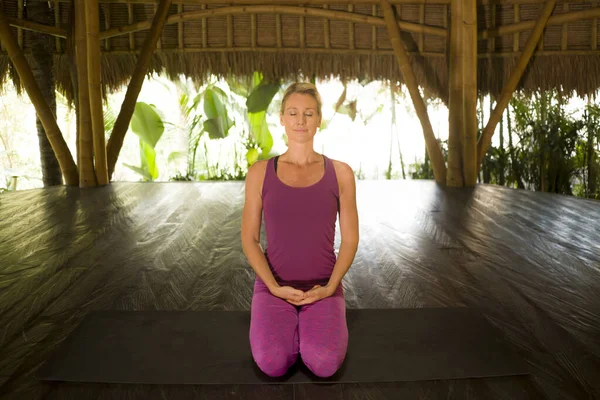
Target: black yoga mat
{"x": 212, "y": 347}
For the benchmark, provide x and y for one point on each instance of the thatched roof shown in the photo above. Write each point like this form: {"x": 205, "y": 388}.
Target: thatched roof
{"x": 345, "y": 40}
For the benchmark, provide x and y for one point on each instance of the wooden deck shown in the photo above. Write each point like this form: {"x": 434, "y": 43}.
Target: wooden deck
{"x": 531, "y": 261}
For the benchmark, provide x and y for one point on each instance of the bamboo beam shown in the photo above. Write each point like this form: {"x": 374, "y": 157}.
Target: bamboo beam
{"x": 300, "y": 11}
{"x": 57, "y": 25}
{"x": 291, "y": 2}
{"x": 374, "y": 28}
{"x": 107, "y": 18}
{"x": 278, "y": 29}
{"x": 92, "y": 19}
{"x": 572, "y": 16}
{"x": 87, "y": 175}
{"x": 180, "y": 36}
{"x": 433, "y": 148}
{"x": 454, "y": 176}
{"x": 422, "y": 22}
{"x": 135, "y": 85}
{"x": 326, "y": 29}
{"x": 351, "y": 41}
{"x": 564, "y": 39}
{"x": 55, "y": 137}
{"x": 469, "y": 70}
{"x": 594, "y": 40}
{"x": 204, "y": 29}
{"x": 253, "y": 30}
{"x": 516, "y": 35}
{"x": 513, "y": 80}
{"x": 35, "y": 27}
{"x": 20, "y": 16}
{"x": 130, "y": 19}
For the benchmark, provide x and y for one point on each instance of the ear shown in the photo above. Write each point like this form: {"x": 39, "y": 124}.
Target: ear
{"x": 281, "y": 119}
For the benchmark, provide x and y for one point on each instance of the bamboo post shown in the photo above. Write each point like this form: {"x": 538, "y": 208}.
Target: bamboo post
{"x": 135, "y": 85}
{"x": 513, "y": 80}
{"x": 87, "y": 176}
{"x": 92, "y": 19}
{"x": 55, "y": 137}
{"x": 469, "y": 70}
{"x": 433, "y": 148}
{"x": 455, "y": 98}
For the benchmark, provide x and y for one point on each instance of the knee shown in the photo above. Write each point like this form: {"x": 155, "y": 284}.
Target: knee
{"x": 272, "y": 360}
{"x": 322, "y": 362}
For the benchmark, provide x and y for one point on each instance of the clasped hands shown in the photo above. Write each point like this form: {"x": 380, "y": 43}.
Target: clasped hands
{"x": 300, "y": 298}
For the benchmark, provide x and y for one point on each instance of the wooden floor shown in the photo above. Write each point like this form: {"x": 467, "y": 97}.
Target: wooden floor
{"x": 530, "y": 261}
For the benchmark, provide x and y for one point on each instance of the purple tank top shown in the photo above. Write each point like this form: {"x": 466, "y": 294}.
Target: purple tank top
{"x": 300, "y": 226}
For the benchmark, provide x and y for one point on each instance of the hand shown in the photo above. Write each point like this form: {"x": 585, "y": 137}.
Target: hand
{"x": 288, "y": 293}
{"x": 315, "y": 294}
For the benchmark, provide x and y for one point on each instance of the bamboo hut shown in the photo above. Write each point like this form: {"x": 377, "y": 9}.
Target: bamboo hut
{"x": 527, "y": 261}
{"x": 451, "y": 50}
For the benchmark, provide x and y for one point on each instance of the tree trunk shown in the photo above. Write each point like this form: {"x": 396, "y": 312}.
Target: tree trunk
{"x": 42, "y": 62}
{"x": 515, "y": 170}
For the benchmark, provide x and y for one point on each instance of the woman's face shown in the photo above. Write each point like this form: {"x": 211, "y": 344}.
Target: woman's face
{"x": 300, "y": 117}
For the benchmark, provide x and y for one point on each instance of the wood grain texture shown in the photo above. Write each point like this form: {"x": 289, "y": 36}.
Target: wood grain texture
{"x": 530, "y": 261}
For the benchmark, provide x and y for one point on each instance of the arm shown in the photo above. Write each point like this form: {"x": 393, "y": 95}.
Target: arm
{"x": 251, "y": 221}
{"x": 348, "y": 225}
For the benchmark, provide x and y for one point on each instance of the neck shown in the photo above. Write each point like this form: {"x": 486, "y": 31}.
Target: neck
{"x": 300, "y": 154}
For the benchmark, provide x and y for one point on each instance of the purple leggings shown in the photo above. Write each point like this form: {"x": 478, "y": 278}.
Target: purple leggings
{"x": 279, "y": 331}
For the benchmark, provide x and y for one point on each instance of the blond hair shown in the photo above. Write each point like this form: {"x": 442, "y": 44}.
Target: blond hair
{"x": 302, "y": 88}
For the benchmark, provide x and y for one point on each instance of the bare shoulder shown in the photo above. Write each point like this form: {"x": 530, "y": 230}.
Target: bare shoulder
{"x": 256, "y": 175}
{"x": 344, "y": 174}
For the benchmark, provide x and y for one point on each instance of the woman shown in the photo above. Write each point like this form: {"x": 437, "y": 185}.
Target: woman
{"x": 298, "y": 304}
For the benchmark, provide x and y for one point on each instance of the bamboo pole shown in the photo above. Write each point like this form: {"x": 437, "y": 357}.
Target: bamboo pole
{"x": 107, "y": 18}
{"x": 20, "y": 16}
{"x": 35, "y": 27}
{"x": 130, "y": 19}
{"x": 253, "y": 30}
{"x": 351, "y": 40}
{"x": 270, "y": 9}
{"x": 326, "y": 29}
{"x": 278, "y": 29}
{"x": 516, "y": 35}
{"x": 92, "y": 19}
{"x": 294, "y": 2}
{"x": 572, "y": 16}
{"x": 57, "y": 25}
{"x": 180, "y": 36}
{"x": 469, "y": 70}
{"x": 135, "y": 85}
{"x": 454, "y": 176}
{"x": 433, "y": 148}
{"x": 564, "y": 39}
{"x": 55, "y": 137}
{"x": 513, "y": 80}
{"x": 594, "y": 40}
{"x": 87, "y": 175}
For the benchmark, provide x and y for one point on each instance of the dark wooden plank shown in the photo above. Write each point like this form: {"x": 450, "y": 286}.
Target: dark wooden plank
{"x": 530, "y": 260}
